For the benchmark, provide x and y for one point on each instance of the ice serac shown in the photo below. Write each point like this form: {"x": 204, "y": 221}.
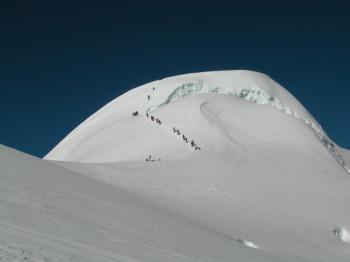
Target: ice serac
{"x": 112, "y": 134}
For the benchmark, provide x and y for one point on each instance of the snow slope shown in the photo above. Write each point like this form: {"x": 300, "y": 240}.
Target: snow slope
{"x": 112, "y": 134}
{"x": 49, "y": 213}
{"x": 346, "y": 154}
{"x": 267, "y": 184}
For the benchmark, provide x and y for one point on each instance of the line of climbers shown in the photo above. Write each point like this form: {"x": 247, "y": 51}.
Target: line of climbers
{"x": 136, "y": 113}
{"x": 184, "y": 138}
{"x": 149, "y": 96}
{"x": 176, "y": 131}
{"x": 154, "y": 119}
{"x": 149, "y": 158}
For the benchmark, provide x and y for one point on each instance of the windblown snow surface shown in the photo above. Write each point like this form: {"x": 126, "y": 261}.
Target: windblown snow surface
{"x": 266, "y": 183}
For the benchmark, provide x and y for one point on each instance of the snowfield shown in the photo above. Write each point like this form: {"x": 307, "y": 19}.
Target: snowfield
{"x": 261, "y": 180}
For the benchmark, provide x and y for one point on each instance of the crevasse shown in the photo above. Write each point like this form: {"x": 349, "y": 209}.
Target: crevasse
{"x": 257, "y": 96}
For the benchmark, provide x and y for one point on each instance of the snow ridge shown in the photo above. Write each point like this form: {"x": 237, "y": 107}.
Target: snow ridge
{"x": 257, "y": 96}
{"x": 98, "y": 131}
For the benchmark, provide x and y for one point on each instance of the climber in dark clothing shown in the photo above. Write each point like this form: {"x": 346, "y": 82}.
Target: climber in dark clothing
{"x": 192, "y": 143}
{"x": 147, "y": 115}
{"x": 135, "y": 113}
{"x": 148, "y": 97}
{"x": 152, "y": 118}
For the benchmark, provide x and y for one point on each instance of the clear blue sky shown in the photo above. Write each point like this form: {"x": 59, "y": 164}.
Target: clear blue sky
{"x": 60, "y": 61}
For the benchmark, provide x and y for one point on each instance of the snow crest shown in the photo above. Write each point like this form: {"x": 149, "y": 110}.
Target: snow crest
{"x": 94, "y": 140}
{"x": 257, "y": 96}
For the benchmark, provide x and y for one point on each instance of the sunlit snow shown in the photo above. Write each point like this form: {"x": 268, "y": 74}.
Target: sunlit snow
{"x": 214, "y": 166}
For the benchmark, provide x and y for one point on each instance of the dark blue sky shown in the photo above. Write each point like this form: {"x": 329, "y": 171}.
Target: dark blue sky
{"x": 61, "y": 61}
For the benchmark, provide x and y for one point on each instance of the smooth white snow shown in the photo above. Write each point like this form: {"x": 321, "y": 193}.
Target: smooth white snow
{"x": 112, "y": 133}
{"x": 49, "y": 213}
{"x": 266, "y": 185}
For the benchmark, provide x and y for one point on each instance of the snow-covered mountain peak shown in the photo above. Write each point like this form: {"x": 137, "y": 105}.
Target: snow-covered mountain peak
{"x": 193, "y": 113}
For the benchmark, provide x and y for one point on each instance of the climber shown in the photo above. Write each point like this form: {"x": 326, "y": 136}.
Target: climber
{"x": 192, "y": 143}
{"x": 148, "y": 97}
{"x": 147, "y": 115}
{"x": 135, "y": 113}
{"x": 152, "y": 118}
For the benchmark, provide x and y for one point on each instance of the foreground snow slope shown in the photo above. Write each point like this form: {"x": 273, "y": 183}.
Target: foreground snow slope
{"x": 48, "y": 213}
